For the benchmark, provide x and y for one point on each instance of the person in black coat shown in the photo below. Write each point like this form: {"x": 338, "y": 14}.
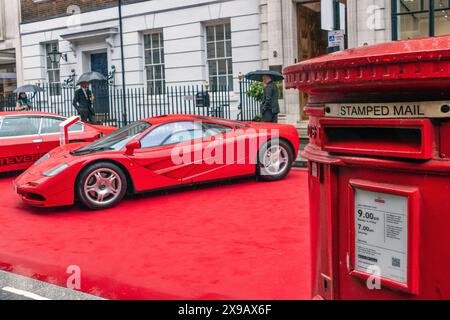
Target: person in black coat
{"x": 82, "y": 102}
{"x": 270, "y": 107}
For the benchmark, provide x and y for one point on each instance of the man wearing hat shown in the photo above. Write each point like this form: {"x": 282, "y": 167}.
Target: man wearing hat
{"x": 82, "y": 102}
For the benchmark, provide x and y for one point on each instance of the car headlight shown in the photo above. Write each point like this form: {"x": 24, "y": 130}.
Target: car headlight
{"x": 56, "y": 170}
{"x": 42, "y": 159}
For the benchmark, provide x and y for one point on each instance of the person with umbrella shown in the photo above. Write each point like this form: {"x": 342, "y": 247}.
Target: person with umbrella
{"x": 84, "y": 98}
{"x": 270, "y": 107}
{"x": 23, "y": 103}
{"x": 82, "y": 102}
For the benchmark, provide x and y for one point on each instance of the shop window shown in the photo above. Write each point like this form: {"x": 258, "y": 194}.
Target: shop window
{"x": 420, "y": 18}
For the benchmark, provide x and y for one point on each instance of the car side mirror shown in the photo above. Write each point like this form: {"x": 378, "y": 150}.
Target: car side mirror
{"x": 131, "y": 147}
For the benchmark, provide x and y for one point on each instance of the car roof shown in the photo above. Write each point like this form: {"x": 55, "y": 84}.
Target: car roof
{"x": 188, "y": 117}
{"x": 28, "y": 113}
{"x": 152, "y": 121}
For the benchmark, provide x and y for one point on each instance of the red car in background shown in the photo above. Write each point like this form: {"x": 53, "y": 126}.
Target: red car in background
{"x": 158, "y": 153}
{"x": 26, "y": 136}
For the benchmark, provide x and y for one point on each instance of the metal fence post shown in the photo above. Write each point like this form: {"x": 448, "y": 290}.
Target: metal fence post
{"x": 240, "y": 78}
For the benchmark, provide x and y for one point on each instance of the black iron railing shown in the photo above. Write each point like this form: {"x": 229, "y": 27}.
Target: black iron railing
{"x": 112, "y": 109}
{"x": 7, "y": 102}
{"x": 249, "y": 107}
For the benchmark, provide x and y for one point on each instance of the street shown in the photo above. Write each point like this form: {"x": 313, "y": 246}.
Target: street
{"x": 15, "y": 287}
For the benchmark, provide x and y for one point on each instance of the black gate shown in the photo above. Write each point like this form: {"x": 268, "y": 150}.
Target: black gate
{"x": 115, "y": 107}
{"x": 249, "y": 107}
{"x": 8, "y": 102}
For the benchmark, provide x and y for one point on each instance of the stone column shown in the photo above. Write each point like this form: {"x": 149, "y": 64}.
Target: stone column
{"x": 369, "y": 22}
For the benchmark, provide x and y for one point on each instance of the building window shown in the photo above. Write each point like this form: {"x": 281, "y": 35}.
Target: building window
{"x": 220, "y": 62}
{"x": 53, "y": 70}
{"x": 154, "y": 62}
{"x": 420, "y": 18}
{"x": 8, "y": 76}
{"x": 441, "y": 18}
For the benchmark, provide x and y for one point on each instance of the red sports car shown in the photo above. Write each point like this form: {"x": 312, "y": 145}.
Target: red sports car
{"x": 25, "y": 137}
{"x": 158, "y": 153}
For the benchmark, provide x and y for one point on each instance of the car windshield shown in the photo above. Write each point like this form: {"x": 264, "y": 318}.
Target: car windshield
{"x": 117, "y": 140}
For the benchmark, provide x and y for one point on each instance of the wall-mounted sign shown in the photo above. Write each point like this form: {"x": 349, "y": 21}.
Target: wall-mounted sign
{"x": 336, "y": 39}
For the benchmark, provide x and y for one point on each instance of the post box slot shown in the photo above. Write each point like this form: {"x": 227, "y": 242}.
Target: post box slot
{"x": 387, "y": 138}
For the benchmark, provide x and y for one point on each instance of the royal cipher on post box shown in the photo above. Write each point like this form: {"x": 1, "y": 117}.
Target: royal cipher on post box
{"x": 379, "y": 169}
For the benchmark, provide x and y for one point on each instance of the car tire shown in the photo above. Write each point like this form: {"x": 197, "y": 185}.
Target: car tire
{"x": 101, "y": 186}
{"x": 273, "y": 166}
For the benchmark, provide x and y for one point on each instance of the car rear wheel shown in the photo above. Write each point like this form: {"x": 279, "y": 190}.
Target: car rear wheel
{"x": 275, "y": 161}
{"x": 101, "y": 186}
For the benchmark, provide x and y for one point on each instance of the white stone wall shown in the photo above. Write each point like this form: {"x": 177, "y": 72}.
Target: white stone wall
{"x": 182, "y": 23}
{"x": 369, "y": 22}
{"x": 260, "y": 28}
{"x": 10, "y": 20}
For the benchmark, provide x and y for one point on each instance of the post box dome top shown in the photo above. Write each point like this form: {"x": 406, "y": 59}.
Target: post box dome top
{"x": 410, "y": 69}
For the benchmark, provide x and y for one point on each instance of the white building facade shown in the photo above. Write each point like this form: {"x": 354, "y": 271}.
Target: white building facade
{"x": 189, "y": 42}
{"x": 165, "y": 43}
{"x": 10, "y": 47}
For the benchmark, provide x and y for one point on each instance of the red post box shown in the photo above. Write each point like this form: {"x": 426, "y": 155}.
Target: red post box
{"x": 379, "y": 170}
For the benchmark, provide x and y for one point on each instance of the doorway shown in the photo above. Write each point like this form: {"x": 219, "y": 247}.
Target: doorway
{"x": 100, "y": 89}
{"x": 312, "y": 40}
{"x": 8, "y": 79}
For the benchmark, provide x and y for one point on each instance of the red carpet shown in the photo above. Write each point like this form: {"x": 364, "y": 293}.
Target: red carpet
{"x": 243, "y": 240}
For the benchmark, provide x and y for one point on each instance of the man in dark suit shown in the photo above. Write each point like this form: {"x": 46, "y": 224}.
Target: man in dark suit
{"x": 82, "y": 101}
{"x": 270, "y": 107}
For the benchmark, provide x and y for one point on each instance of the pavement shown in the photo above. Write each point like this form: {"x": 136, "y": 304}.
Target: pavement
{"x": 15, "y": 287}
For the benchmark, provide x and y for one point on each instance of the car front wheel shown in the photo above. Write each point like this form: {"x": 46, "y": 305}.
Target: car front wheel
{"x": 275, "y": 161}
{"x": 101, "y": 186}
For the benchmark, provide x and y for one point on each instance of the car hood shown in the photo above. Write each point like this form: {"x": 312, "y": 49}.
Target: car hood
{"x": 58, "y": 156}
{"x": 64, "y": 151}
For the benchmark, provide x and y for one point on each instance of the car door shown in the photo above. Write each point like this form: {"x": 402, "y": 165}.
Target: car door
{"x": 167, "y": 155}
{"x": 19, "y": 142}
{"x": 225, "y": 151}
{"x": 50, "y": 133}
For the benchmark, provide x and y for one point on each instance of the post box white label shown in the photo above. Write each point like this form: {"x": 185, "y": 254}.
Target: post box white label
{"x": 381, "y": 234}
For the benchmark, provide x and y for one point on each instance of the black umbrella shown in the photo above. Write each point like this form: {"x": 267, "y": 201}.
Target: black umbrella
{"x": 29, "y": 88}
{"x": 90, "y": 77}
{"x": 258, "y": 75}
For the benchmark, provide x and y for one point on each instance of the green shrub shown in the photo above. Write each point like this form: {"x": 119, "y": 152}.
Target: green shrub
{"x": 256, "y": 91}
{"x": 257, "y": 119}
{"x": 280, "y": 85}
